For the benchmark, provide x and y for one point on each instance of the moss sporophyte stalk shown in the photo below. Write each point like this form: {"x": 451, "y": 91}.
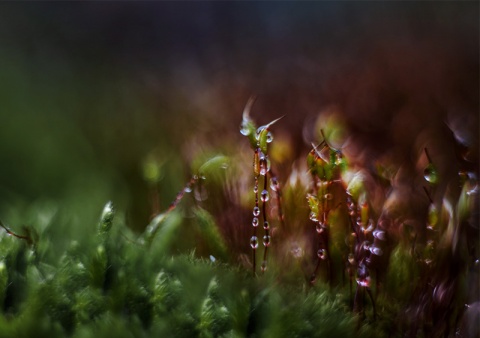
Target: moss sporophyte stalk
{"x": 332, "y": 253}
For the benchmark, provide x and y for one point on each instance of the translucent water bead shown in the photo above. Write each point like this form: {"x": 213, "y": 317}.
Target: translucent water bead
{"x": 322, "y": 253}
{"x": 274, "y": 185}
{"x": 376, "y": 250}
{"x": 264, "y": 196}
{"x": 266, "y": 241}
{"x": 266, "y": 225}
{"x": 254, "y": 242}
{"x": 255, "y": 222}
{"x": 256, "y": 211}
{"x": 380, "y": 234}
{"x": 264, "y": 266}
{"x": 269, "y": 137}
{"x": 430, "y": 174}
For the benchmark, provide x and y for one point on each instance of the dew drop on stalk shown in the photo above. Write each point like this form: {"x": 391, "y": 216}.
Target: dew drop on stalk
{"x": 264, "y": 196}
{"x": 365, "y": 282}
{"x": 256, "y": 211}
{"x": 328, "y": 196}
{"x": 264, "y": 266}
{"x": 263, "y": 167}
{"x": 313, "y": 217}
{"x": 274, "y": 185}
{"x": 254, "y": 242}
{"x": 269, "y": 137}
{"x": 430, "y": 174}
{"x": 351, "y": 258}
{"x": 322, "y": 254}
{"x": 244, "y": 128}
{"x": 266, "y": 225}
{"x": 187, "y": 189}
{"x": 255, "y": 222}
{"x": 255, "y": 188}
{"x": 266, "y": 240}
{"x": 379, "y": 234}
{"x": 376, "y": 250}
{"x": 319, "y": 228}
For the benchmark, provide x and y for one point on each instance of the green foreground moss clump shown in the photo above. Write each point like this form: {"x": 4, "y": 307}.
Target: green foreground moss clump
{"x": 115, "y": 286}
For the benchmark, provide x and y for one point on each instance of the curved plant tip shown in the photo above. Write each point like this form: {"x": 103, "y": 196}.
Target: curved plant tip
{"x": 153, "y": 226}
{"x": 247, "y": 127}
{"x": 106, "y": 219}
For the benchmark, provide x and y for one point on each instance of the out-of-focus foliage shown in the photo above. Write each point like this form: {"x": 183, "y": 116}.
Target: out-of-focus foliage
{"x": 139, "y": 104}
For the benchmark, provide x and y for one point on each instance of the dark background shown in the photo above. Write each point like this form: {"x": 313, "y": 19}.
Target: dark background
{"x": 88, "y": 89}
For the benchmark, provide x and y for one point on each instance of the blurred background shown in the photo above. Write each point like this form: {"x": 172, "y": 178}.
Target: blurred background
{"x": 89, "y": 91}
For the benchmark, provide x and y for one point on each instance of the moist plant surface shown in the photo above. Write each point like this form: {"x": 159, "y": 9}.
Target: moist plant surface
{"x": 328, "y": 251}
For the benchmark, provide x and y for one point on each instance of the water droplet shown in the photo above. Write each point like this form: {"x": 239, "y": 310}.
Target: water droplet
{"x": 264, "y": 266}
{"x": 212, "y": 259}
{"x": 187, "y": 189}
{"x": 328, "y": 196}
{"x": 380, "y": 234}
{"x": 266, "y": 241}
{"x": 255, "y": 188}
{"x": 430, "y": 174}
{"x": 254, "y": 242}
{"x": 256, "y": 211}
{"x": 263, "y": 168}
{"x": 274, "y": 185}
{"x": 319, "y": 228}
{"x": 269, "y": 137}
{"x": 376, "y": 251}
{"x": 244, "y": 130}
{"x": 264, "y": 196}
{"x": 255, "y": 222}
{"x": 266, "y": 226}
{"x": 365, "y": 282}
{"x": 322, "y": 254}
{"x": 313, "y": 217}
{"x": 259, "y": 130}
{"x": 351, "y": 258}
{"x": 313, "y": 279}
